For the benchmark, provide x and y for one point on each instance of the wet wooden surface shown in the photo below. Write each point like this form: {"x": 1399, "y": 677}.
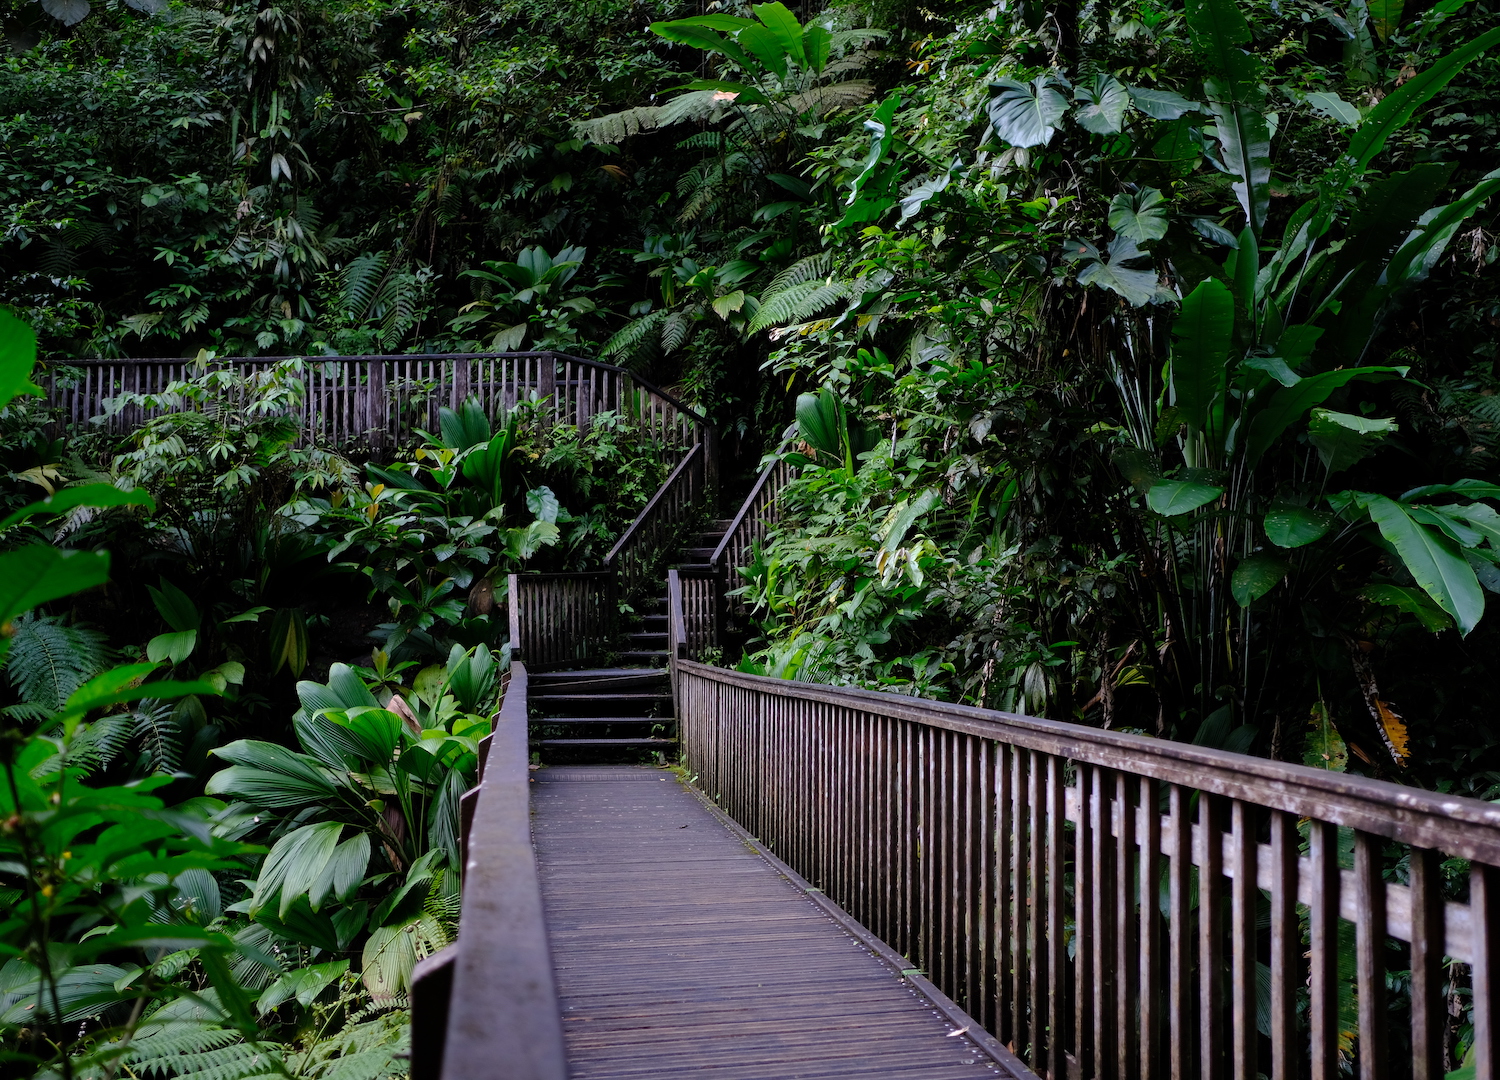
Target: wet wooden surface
{"x": 679, "y": 950}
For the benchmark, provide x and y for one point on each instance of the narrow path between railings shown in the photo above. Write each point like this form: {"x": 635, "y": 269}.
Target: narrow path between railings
{"x": 680, "y": 950}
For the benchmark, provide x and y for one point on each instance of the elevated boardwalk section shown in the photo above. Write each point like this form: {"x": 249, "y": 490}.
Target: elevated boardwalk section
{"x": 679, "y": 950}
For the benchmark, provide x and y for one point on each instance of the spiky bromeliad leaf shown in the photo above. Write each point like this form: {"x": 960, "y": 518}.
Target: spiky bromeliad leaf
{"x": 1030, "y": 113}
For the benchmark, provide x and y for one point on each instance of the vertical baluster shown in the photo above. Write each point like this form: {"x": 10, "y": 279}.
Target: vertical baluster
{"x": 1127, "y": 963}
{"x": 1179, "y": 971}
{"x": 1004, "y": 830}
{"x": 1020, "y": 901}
{"x": 1427, "y": 947}
{"x": 1036, "y": 942}
{"x": 1484, "y": 921}
{"x": 1151, "y": 1063}
{"x": 1102, "y": 836}
{"x": 1286, "y": 947}
{"x": 1370, "y": 956}
{"x": 1323, "y": 930}
{"x": 1057, "y": 946}
{"x": 1245, "y": 893}
{"x": 1083, "y": 921}
{"x": 1210, "y": 943}
{"x": 982, "y": 920}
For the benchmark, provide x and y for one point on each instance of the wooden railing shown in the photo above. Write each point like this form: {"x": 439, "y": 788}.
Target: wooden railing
{"x": 381, "y": 401}
{"x": 1002, "y": 855}
{"x": 559, "y": 619}
{"x": 487, "y": 1006}
{"x": 694, "y": 611}
{"x": 639, "y": 554}
{"x": 752, "y": 523}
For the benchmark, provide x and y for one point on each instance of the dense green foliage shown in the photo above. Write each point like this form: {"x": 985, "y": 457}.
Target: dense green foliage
{"x": 1142, "y": 357}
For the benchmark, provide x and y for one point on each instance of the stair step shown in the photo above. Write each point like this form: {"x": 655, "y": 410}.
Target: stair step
{"x": 647, "y": 655}
{"x": 609, "y": 742}
{"x": 602, "y": 704}
{"x": 648, "y": 637}
{"x": 571, "y": 720}
{"x": 703, "y": 566}
{"x": 544, "y": 678}
{"x": 654, "y": 620}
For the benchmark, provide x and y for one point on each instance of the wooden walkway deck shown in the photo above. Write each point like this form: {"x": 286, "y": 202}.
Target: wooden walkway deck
{"x": 681, "y": 949}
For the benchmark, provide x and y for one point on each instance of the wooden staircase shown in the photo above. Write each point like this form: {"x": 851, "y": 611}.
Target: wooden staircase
{"x": 618, "y": 713}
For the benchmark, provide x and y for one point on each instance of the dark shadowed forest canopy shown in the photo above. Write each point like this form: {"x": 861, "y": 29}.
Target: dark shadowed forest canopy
{"x": 1142, "y": 357}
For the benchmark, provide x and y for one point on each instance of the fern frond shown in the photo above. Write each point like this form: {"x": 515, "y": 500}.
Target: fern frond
{"x": 675, "y": 331}
{"x": 840, "y": 40}
{"x": 694, "y": 105}
{"x": 617, "y": 127}
{"x": 160, "y": 737}
{"x": 803, "y": 270}
{"x": 635, "y": 337}
{"x": 822, "y": 100}
{"x": 796, "y": 303}
{"x": 235, "y": 1061}
{"x": 94, "y": 747}
{"x": 361, "y": 282}
{"x": 50, "y": 659}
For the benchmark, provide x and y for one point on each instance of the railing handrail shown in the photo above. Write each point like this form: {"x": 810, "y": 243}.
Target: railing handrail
{"x": 673, "y": 478}
{"x": 503, "y": 1010}
{"x": 1454, "y": 824}
{"x": 745, "y": 507}
{"x": 676, "y": 622}
{"x": 602, "y": 365}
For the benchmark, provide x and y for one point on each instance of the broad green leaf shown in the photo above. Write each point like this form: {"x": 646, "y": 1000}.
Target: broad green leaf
{"x": 1275, "y": 367}
{"x": 288, "y": 640}
{"x": 173, "y": 648}
{"x": 1343, "y": 439}
{"x": 377, "y": 731}
{"x": 1172, "y": 497}
{"x": 1294, "y": 526}
{"x": 1397, "y": 107}
{"x": 1385, "y": 16}
{"x": 390, "y": 954}
{"x": 1139, "y": 216}
{"x": 1257, "y": 575}
{"x": 1219, "y": 33}
{"x": 1027, "y": 114}
{"x": 1335, "y": 108}
{"x": 175, "y": 606}
{"x": 1245, "y": 145}
{"x": 1415, "y": 258}
{"x": 1290, "y": 403}
{"x": 343, "y": 873}
{"x": 820, "y": 424}
{"x": 69, "y": 12}
{"x": 1102, "y": 105}
{"x": 100, "y": 495}
{"x": 301, "y": 923}
{"x": 1324, "y": 748}
{"x": 1474, "y": 489}
{"x": 766, "y": 48}
{"x": 784, "y": 25}
{"x": 903, "y": 516}
{"x": 729, "y": 302}
{"x": 122, "y": 684}
{"x": 1482, "y": 517}
{"x": 37, "y": 573}
{"x": 1162, "y": 104}
{"x": 1411, "y": 601}
{"x": 543, "y": 503}
{"x": 1177, "y": 150}
{"x": 1430, "y": 557}
{"x": 1202, "y": 335}
{"x": 817, "y": 44}
{"x": 1136, "y": 286}
{"x": 700, "y": 33}
{"x": 266, "y": 775}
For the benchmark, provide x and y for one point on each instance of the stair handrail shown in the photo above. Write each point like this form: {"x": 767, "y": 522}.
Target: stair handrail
{"x": 672, "y": 503}
{"x": 748, "y": 520}
{"x": 491, "y": 1005}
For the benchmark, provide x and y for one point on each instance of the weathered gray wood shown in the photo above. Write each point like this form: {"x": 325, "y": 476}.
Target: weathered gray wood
{"x": 503, "y": 1019}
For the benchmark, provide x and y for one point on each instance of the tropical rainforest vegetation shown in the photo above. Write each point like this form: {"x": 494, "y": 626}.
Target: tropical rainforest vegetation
{"x": 1142, "y": 357}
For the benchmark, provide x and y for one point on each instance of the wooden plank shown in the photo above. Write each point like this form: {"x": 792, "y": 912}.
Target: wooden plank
{"x": 760, "y": 983}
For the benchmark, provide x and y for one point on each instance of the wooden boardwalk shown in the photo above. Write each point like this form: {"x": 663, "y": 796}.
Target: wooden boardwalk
{"x": 679, "y": 949}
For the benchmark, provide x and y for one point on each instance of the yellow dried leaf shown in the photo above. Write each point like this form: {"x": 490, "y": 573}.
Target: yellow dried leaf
{"x": 1393, "y": 730}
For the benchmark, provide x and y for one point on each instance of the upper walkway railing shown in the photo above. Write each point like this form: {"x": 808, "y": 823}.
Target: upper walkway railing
{"x": 380, "y": 402}
{"x": 1117, "y": 906}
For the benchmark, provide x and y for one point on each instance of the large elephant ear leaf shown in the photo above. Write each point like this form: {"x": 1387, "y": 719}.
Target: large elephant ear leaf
{"x": 1140, "y": 216}
{"x": 1256, "y": 575}
{"x": 1432, "y": 559}
{"x": 1202, "y": 335}
{"x": 1102, "y": 105}
{"x": 1027, "y": 114}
